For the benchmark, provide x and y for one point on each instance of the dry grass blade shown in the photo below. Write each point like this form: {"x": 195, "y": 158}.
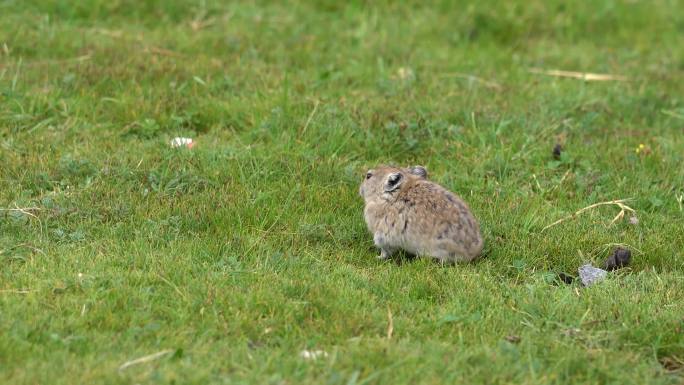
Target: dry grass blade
{"x": 16, "y": 291}
{"x": 672, "y": 363}
{"x": 174, "y": 286}
{"x": 49, "y": 62}
{"x": 32, "y": 248}
{"x": 199, "y": 24}
{"x": 587, "y": 76}
{"x": 148, "y": 358}
{"x": 311, "y": 115}
{"x": 24, "y": 210}
{"x": 618, "y": 202}
{"x": 672, "y": 114}
{"x": 27, "y": 211}
{"x": 161, "y": 51}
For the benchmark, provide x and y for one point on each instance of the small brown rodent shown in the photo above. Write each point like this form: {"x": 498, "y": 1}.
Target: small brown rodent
{"x": 404, "y": 210}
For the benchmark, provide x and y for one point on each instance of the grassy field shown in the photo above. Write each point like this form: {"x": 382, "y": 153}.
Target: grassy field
{"x": 231, "y": 258}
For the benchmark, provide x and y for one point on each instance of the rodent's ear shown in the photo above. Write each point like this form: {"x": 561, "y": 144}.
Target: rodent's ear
{"x": 393, "y": 181}
{"x": 419, "y": 171}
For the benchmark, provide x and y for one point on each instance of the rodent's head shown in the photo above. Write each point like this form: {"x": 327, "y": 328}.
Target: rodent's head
{"x": 383, "y": 181}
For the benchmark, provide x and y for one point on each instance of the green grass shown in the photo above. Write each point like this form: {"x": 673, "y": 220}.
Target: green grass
{"x": 249, "y": 248}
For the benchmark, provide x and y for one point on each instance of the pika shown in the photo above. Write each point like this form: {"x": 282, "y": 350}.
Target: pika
{"x": 404, "y": 210}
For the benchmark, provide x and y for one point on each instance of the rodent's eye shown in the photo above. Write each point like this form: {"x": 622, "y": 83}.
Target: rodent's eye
{"x": 369, "y": 175}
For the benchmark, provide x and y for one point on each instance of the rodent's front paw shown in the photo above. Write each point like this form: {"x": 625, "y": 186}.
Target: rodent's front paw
{"x": 385, "y": 253}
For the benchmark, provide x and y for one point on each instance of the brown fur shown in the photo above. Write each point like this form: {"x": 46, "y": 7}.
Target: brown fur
{"x": 404, "y": 210}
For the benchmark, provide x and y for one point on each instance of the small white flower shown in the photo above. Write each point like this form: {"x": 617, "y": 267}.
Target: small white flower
{"x": 312, "y": 354}
{"x": 179, "y": 142}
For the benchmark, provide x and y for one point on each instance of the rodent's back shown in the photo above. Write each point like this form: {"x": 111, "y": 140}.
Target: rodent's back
{"x": 438, "y": 221}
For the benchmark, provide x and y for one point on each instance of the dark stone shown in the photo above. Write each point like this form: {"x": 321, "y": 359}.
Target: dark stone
{"x": 557, "y": 149}
{"x": 566, "y": 278}
{"x": 621, "y": 257}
